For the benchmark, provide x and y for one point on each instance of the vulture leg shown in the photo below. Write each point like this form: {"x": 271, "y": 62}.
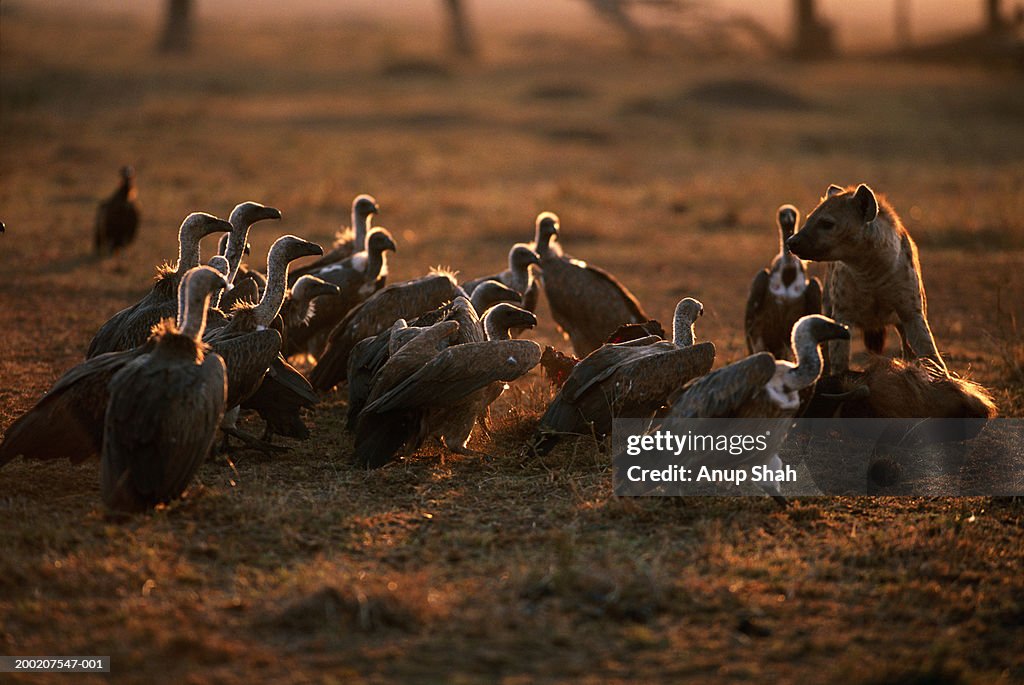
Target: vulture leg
{"x": 455, "y": 447}
{"x": 252, "y": 441}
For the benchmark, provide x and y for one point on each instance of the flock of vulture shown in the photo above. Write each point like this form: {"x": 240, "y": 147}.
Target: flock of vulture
{"x": 422, "y": 359}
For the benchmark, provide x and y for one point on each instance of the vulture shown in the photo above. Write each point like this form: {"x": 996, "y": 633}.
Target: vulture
{"x": 399, "y": 301}
{"x": 298, "y": 303}
{"x": 131, "y": 326}
{"x": 67, "y": 422}
{"x": 164, "y": 408}
{"x": 432, "y": 388}
{"x": 370, "y": 354}
{"x": 631, "y": 379}
{"x": 347, "y": 242}
{"x": 760, "y": 387}
{"x": 249, "y": 346}
{"x": 779, "y": 295}
{"x": 357, "y": 277}
{"x": 588, "y": 304}
{"x": 518, "y": 276}
{"x": 117, "y": 217}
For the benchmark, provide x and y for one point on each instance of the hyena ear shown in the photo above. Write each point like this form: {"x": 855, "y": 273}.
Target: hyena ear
{"x": 834, "y": 190}
{"x": 865, "y": 199}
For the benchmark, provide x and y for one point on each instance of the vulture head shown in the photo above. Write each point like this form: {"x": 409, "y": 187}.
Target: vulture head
{"x": 547, "y": 226}
{"x": 309, "y": 287}
{"x": 288, "y": 248}
{"x": 248, "y": 213}
{"x": 127, "y": 174}
{"x": 814, "y": 329}
{"x": 378, "y": 240}
{"x": 490, "y": 293}
{"x": 520, "y": 257}
{"x": 220, "y": 263}
{"x": 687, "y": 312}
{"x": 198, "y": 225}
{"x": 501, "y": 317}
{"x": 364, "y": 206}
{"x": 788, "y": 218}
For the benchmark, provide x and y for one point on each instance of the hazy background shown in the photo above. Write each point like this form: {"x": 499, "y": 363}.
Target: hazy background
{"x": 861, "y": 25}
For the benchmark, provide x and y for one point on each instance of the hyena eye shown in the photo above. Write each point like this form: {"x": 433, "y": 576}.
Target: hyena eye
{"x": 827, "y": 224}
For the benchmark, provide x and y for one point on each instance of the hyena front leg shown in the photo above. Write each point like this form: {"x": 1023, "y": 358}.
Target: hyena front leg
{"x": 919, "y": 337}
{"x": 837, "y": 358}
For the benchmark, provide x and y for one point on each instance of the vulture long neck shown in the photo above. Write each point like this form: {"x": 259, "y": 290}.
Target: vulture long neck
{"x": 682, "y": 331}
{"x": 493, "y": 331}
{"x": 785, "y": 233}
{"x": 809, "y": 362}
{"x": 543, "y": 243}
{"x": 374, "y": 264}
{"x": 188, "y": 252}
{"x": 236, "y": 246}
{"x": 277, "y": 285}
{"x": 360, "y": 226}
{"x": 193, "y": 321}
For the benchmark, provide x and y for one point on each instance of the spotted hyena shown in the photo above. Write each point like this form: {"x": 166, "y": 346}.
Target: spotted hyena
{"x": 875, "y": 277}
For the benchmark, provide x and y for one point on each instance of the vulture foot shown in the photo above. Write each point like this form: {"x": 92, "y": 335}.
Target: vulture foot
{"x": 252, "y": 441}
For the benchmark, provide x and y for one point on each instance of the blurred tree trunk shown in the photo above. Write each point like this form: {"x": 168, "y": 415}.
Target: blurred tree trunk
{"x": 994, "y": 14}
{"x": 177, "y": 35}
{"x": 814, "y": 39}
{"x": 462, "y": 38}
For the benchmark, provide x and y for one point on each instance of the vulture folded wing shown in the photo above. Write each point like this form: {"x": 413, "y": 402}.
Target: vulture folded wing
{"x": 375, "y": 315}
{"x": 605, "y": 361}
{"x": 758, "y": 290}
{"x": 720, "y": 393}
{"x": 812, "y": 297}
{"x": 247, "y": 357}
{"x": 458, "y": 371}
{"x": 68, "y": 420}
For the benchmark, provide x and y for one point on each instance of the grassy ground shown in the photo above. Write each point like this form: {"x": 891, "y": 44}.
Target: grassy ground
{"x": 665, "y": 171}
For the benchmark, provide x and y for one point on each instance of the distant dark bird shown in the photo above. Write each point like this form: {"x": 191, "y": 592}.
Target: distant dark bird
{"x": 400, "y": 301}
{"x": 164, "y": 408}
{"x": 131, "y": 326}
{"x": 588, "y": 304}
{"x": 3, "y": 228}
{"x": 631, "y": 379}
{"x": 117, "y": 217}
{"x": 357, "y": 277}
{"x": 249, "y": 346}
{"x": 517, "y": 276}
{"x": 428, "y": 389}
{"x": 759, "y": 387}
{"x": 348, "y": 241}
{"x": 779, "y": 295}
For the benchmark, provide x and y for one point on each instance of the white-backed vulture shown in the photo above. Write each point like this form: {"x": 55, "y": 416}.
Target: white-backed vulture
{"x": 517, "y": 276}
{"x": 370, "y": 354}
{"x": 358, "y": 277}
{"x": 298, "y": 304}
{"x": 164, "y": 408}
{"x": 779, "y": 295}
{"x": 399, "y": 301}
{"x": 632, "y": 379}
{"x": 347, "y": 242}
{"x": 588, "y": 304}
{"x": 117, "y": 217}
{"x": 248, "y": 344}
{"x": 131, "y": 326}
{"x": 441, "y": 399}
{"x": 760, "y": 387}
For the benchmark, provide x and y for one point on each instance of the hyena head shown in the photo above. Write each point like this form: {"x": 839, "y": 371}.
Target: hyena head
{"x": 834, "y": 230}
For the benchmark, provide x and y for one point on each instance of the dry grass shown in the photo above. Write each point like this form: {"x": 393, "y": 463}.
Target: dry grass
{"x": 302, "y": 568}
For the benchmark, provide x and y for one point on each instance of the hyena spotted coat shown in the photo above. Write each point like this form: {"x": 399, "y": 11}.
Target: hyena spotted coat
{"x": 874, "y": 278}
